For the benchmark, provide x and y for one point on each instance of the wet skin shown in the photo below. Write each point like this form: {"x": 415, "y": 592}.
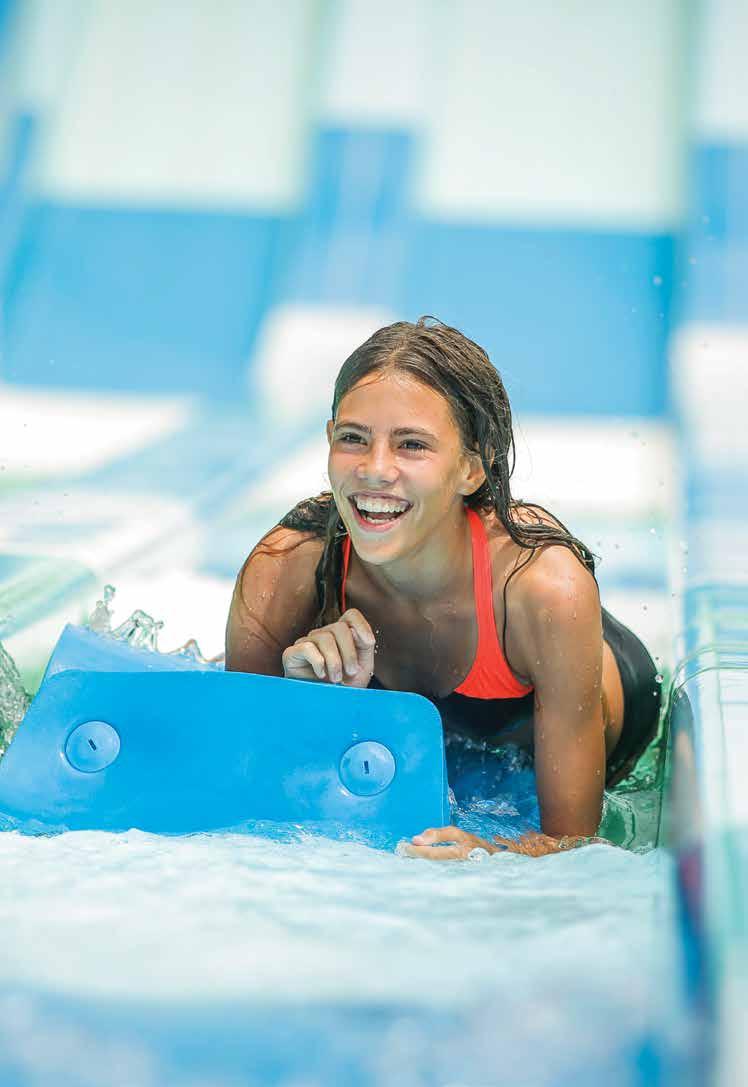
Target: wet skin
{"x": 411, "y": 613}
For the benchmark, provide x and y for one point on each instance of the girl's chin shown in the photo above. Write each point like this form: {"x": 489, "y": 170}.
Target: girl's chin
{"x": 378, "y": 543}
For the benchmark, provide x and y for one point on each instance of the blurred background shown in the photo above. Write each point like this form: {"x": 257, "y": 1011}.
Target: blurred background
{"x": 205, "y": 207}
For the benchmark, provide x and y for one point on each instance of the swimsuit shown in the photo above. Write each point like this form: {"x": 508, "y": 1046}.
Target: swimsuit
{"x": 491, "y": 702}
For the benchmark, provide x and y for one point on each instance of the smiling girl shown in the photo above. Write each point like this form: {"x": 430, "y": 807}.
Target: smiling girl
{"x": 419, "y": 572}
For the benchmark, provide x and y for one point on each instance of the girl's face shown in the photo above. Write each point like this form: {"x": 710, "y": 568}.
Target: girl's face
{"x": 397, "y": 466}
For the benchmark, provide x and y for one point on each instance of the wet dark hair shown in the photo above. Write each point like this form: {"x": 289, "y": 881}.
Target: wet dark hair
{"x": 453, "y": 365}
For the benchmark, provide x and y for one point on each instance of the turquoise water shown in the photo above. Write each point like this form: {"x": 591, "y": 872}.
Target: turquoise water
{"x": 503, "y": 970}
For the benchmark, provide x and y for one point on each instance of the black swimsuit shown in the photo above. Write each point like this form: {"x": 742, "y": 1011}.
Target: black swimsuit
{"x": 495, "y": 719}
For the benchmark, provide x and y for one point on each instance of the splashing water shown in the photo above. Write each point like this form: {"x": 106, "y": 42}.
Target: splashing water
{"x": 14, "y": 699}
{"x": 191, "y": 651}
{"x": 100, "y": 619}
{"x": 141, "y": 631}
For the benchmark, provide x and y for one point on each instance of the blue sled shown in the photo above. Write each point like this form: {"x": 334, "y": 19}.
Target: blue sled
{"x": 119, "y": 738}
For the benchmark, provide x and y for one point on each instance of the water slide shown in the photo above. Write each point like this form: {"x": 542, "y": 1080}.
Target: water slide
{"x": 272, "y": 956}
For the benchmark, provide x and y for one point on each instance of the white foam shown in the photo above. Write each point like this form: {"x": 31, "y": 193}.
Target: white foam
{"x": 226, "y": 916}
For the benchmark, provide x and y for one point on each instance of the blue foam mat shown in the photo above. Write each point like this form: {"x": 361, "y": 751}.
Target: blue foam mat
{"x": 188, "y": 749}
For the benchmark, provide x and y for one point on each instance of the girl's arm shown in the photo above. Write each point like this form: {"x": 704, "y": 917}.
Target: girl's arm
{"x": 274, "y": 601}
{"x": 271, "y": 629}
{"x": 556, "y": 627}
{"x": 557, "y": 624}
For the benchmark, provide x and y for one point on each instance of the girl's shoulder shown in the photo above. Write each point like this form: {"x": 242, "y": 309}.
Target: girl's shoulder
{"x": 284, "y": 560}
{"x": 541, "y": 569}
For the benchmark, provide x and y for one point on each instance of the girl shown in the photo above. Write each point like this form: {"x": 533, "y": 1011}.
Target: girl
{"x": 419, "y": 572}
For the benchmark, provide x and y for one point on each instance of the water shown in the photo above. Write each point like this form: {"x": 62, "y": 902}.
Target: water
{"x": 287, "y": 958}
{"x": 415, "y": 972}
{"x": 140, "y": 630}
{"x": 14, "y": 699}
{"x": 100, "y": 619}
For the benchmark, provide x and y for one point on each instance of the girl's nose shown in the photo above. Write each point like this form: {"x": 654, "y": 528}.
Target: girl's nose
{"x": 377, "y": 465}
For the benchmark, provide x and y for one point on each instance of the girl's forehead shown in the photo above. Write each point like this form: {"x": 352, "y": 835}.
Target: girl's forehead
{"x": 395, "y": 393}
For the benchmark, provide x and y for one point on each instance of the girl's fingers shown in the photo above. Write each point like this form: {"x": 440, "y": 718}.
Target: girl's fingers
{"x": 346, "y": 647}
{"x": 304, "y": 653}
{"x": 363, "y": 633}
{"x": 441, "y": 853}
{"x": 325, "y": 641}
{"x": 435, "y": 835}
{"x": 340, "y": 652}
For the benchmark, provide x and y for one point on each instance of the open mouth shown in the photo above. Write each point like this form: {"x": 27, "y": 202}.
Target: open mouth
{"x": 378, "y": 513}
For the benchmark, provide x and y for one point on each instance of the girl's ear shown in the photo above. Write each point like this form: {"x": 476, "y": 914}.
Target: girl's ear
{"x": 474, "y": 474}
{"x": 330, "y": 425}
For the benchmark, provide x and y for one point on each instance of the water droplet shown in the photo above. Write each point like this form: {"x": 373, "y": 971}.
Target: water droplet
{"x": 653, "y": 531}
{"x": 659, "y": 678}
{"x": 100, "y": 619}
{"x": 645, "y": 607}
{"x": 657, "y": 280}
{"x": 683, "y": 546}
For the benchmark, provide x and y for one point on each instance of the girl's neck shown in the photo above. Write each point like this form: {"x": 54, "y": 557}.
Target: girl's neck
{"x": 439, "y": 568}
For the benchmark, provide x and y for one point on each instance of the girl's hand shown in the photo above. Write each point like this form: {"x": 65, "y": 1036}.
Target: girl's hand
{"x": 461, "y": 844}
{"x": 447, "y": 844}
{"x": 341, "y": 652}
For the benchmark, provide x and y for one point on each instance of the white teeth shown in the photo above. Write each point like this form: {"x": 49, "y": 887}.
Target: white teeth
{"x": 380, "y": 505}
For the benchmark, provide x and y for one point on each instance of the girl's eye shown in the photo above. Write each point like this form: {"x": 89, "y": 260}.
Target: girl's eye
{"x": 351, "y": 438}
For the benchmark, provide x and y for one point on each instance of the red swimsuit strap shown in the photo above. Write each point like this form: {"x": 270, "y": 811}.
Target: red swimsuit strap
{"x": 488, "y": 641}
{"x": 346, "y": 561}
{"x": 490, "y": 675}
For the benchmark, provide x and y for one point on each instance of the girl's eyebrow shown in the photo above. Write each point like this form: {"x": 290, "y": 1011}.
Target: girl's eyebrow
{"x": 398, "y": 433}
